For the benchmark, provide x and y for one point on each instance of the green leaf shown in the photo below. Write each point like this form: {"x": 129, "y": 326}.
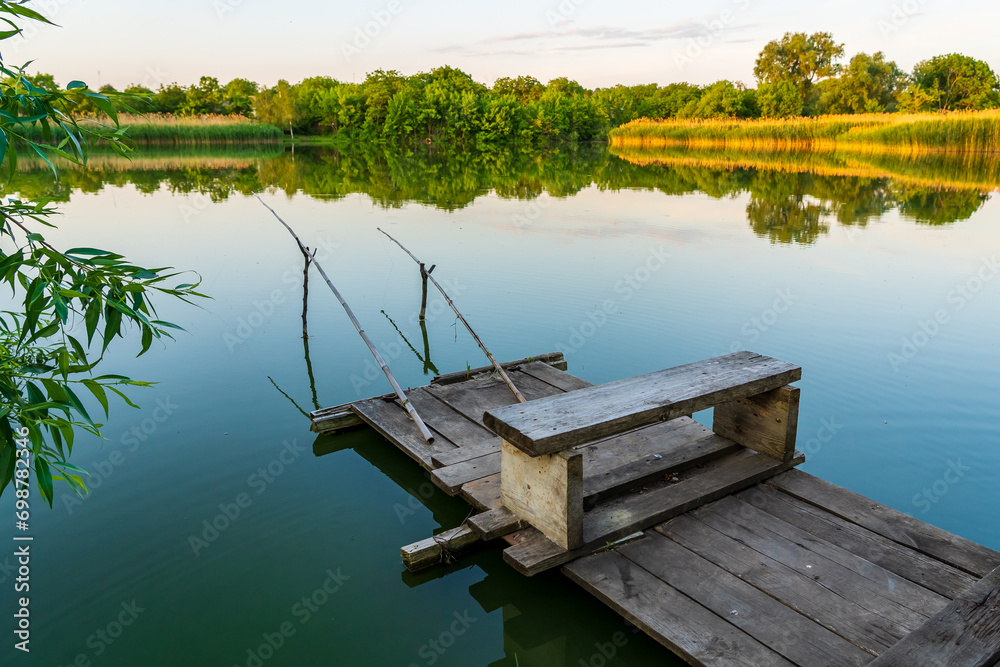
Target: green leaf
{"x": 74, "y": 400}
{"x": 73, "y": 85}
{"x": 43, "y": 477}
{"x": 87, "y": 251}
{"x": 61, "y": 308}
{"x": 147, "y": 339}
{"x": 98, "y": 391}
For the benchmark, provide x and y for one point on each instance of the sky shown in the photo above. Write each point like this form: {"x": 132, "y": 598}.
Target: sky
{"x": 598, "y": 43}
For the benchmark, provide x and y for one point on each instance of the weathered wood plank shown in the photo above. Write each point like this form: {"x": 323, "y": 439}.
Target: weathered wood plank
{"x": 966, "y": 632}
{"x": 483, "y": 494}
{"x": 472, "y": 399}
{"x": 453, "y": 425}
{"x": 957, "y": 551}
{"x": 496, "y": 523}
{"x": 546, "y": 491}
{"x": 395, "y": 425}
{"x": 766, "y": 423}
{"x": 701, "y": 449}
{"x": 555, "y": 377}
{"x": 896, "y": 599}
{"x": 621, "y": 516}
{"x": 858, "y": 625}
{"x": 554, "y": 359}
{"x": 439, "y": 548}
{"x": 764, "y": 618}
{"x": 452, "y": 478}
{"x": 614, "y": 464}
{"x": 556, "y": 423}
{"x": 685, "y": 627}
{"x": 336, "y": 421}
{"x": 904, "y": 561}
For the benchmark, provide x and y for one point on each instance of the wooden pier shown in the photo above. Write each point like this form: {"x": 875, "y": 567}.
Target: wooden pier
{"x": 707, "y": 539}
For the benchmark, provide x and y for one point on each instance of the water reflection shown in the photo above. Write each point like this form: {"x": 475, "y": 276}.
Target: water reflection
{"x": 793, "y": 197}
{"x": 540, "y": 616}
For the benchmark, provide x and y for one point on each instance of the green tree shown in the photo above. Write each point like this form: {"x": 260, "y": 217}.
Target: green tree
{"x": 237, "y": 97}
{"x": 45, "y": 361}
{"x": 525, "y": 89}
{"x": 723, "y": 99}
{"x": 869, "y": 84}
{"x": 800, "y": 58}
{"x": 779, "y": 100}
{"x": 951, "y": 82}
{"x": 169, "y": 99}
{"x": 279, "y": 106}
{"x": 204, "y": 98}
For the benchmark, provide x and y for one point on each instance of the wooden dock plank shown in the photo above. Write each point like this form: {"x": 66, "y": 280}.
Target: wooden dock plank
{"x": 438, "y": 549}
{"x": 496, "y": 523}
{"x": 453, "y": 425}
{"x": 555, "y": 423}
{"x": 673, "y": 619}
{"x": 898, "y": 600}
{"x": 395, "y": 425}
{"x": 483, "y": 494}
{"x": 677, "y": 458}
{"x": 966, "y": 632}
{"x": 858, "y": 625}
{"x": 554, "y": 359}
{"x": 555, "y": 377}
{"x": 782, "y": 629}
{"x": 615, "y": 464}
{"x": 940, "y": 544}
{"x": 624, "y": 515}
{"x": 452, "y": 478}
{"x": 901, "y": 560}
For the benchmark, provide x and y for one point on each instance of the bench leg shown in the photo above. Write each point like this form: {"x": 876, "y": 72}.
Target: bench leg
{"x": 766, "y": 423}
{"x": 546, "y": 491}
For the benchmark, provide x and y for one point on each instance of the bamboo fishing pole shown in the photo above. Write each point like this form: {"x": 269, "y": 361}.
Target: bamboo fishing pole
{"x": 357, "y": 325}
{"x": 489, "y": 355}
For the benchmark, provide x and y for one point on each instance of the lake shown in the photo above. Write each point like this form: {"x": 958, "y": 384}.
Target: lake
{"x": 220, "y": 531}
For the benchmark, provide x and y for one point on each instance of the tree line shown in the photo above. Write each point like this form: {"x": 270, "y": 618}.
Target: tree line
{"x": 797, "y": 75}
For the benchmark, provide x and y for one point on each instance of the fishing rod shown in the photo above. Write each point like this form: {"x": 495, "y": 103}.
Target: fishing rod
{"x": 489, "y": 355}
{"x": 424, "y": 431}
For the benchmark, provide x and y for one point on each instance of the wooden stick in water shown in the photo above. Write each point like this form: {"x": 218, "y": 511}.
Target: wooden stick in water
{"x": 489, "y": 355}
{"x": 357, "y": 325}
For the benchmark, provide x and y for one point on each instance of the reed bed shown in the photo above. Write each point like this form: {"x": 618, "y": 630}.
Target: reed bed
{"x": 902, "y": 133}
{"x": 951, "y": 171}
{"x": 170, "y": 130}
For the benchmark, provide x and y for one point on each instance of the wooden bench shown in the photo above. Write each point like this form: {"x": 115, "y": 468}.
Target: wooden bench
{"x": 541, "y": 477}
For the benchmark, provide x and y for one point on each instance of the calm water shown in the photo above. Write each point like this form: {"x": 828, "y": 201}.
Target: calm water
{"x": 878, "y": 281}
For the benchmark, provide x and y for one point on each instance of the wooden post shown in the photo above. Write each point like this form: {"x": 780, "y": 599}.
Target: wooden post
{"x": 546, "y": 491}
{"x": 424, "y": 273}
{"x": 766, "y": 423}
